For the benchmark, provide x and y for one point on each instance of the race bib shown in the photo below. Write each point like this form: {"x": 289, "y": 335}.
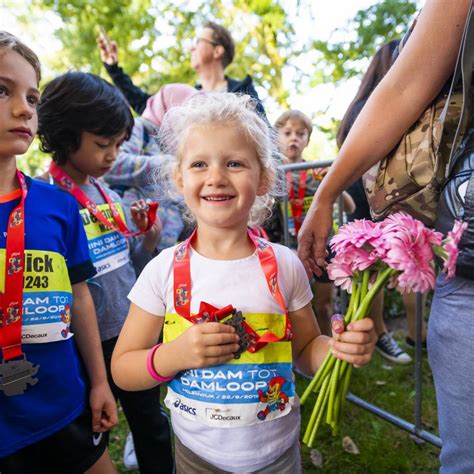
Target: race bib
{"x": 255, "y": 388}
{"x": 47, "y": 296}
{"x": 108, "y": 248}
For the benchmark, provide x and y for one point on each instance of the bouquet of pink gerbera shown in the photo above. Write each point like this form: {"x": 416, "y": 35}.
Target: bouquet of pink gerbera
{"x": 399, "y": 251}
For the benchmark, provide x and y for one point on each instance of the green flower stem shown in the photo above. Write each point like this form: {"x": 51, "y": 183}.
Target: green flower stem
{"x": 318, "y": 378}
{"x": 365, "y": 285}
{"x": 353, "y": 303}
{"x": 341, "y": 398}
{"x": 320, "y": 412}
{"x": 333, "y": 385}
{"x": 338, "y": 401}
{"x": 440, "y": 252}
{"x": 316, "y": 411}
{"x": 333, "y": 377}
{"x": 368, "y": 298}
{"x": 345, "y": 384}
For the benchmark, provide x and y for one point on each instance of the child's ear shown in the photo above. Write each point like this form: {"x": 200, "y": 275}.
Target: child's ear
{"x": 266, "y": 179}
{"x": 178, "y": 179}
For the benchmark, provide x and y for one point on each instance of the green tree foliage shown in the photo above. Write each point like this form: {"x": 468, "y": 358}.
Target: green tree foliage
{"x": 154, "y": 37}
{"x": 370, "y": 29}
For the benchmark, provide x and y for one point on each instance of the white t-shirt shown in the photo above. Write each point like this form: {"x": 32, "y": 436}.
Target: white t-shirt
{"x": 242, "y": 284}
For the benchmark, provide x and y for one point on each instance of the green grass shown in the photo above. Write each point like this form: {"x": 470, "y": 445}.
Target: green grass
{"x": 383, "y": 447}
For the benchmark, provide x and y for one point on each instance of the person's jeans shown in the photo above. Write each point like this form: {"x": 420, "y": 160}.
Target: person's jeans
{"x": 148, "y": 423}
{"x": 451, "y": 356}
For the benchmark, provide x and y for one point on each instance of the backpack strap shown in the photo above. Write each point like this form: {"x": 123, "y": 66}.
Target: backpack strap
{"x": 463, "y": 69}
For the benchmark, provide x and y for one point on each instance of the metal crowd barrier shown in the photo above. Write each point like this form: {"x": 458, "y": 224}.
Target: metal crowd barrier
{"x": 416, "y": 428}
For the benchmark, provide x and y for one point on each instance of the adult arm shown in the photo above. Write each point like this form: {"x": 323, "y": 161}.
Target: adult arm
{"x": 422, "y": 68}
{"x": 109, "y": 55}
{"x": 135, "y": 96}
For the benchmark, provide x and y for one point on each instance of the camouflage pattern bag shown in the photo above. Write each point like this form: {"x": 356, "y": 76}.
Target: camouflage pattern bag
{"x": 410, "y": 178}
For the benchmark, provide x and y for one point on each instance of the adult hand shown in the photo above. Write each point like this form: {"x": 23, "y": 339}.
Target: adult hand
{"x": 320, "y": 173}
{"x": 313, "y": 237}
{"x": 108, "y": 50}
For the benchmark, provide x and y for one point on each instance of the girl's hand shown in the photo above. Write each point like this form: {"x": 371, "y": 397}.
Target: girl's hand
{"x": 356, "y": 344}
{"x": 204, "y": 345}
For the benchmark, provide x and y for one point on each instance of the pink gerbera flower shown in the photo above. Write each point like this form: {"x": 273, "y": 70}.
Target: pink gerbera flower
{"x": 340, "y": 271}
{"x": 450, "y": 247}
{"x": 410, "y": 251}
{"x": 355, "y": 234}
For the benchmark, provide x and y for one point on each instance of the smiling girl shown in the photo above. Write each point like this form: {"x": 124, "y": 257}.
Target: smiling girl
{"x": 235, "y": 309}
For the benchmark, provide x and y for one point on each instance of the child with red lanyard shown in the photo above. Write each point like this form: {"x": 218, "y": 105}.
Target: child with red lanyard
{"x": 50, "y": 419}
{"x": 235, "y": 309}
{"x": 82, "y": 122}
{"x": 294, "y": 131}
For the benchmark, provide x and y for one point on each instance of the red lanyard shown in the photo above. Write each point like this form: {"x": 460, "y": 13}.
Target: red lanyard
{"x": 11, "y": 309}
{"x": 297, "y": 206}
{"x": 182, "y": 291}
{"x": 65, "y": 182}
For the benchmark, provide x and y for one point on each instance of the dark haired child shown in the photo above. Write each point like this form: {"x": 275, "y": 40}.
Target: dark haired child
{"x": 294, "y": 130}
{"x": 82, "y": 122}
{"x": 46, "y": 310}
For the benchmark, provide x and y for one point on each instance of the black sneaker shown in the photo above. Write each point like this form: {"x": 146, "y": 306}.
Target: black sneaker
{"x": 388, "y": 348}
{"x": 411, "y": 343}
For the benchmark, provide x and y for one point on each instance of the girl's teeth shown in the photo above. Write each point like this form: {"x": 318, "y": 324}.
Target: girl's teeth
{"x": 216, "y": 198}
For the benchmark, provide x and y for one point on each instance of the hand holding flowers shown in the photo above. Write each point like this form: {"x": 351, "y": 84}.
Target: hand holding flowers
{"x": 399, "y": 251}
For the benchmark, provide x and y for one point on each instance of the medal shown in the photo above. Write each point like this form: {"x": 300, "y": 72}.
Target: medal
{"x": 15, "y": 375}
{"x": 15, "y": 371}
{"x": 249, "y": 339}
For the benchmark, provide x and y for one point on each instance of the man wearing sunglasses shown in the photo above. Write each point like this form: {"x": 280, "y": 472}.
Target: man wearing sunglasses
{"x": 212, "y": 51}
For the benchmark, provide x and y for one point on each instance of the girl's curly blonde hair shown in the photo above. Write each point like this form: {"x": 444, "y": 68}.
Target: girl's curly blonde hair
{"x": 219, "y": 108}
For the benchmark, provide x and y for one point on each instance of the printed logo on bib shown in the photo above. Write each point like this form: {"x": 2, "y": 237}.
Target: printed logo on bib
{"x": 233, "y": 395}
{"x": 47, "y": 296}
{"x": 108, "y": 248}
{"x": 183, "y": 407}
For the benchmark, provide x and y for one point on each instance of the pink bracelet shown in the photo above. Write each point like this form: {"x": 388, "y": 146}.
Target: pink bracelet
{"x": 151, "y": 368}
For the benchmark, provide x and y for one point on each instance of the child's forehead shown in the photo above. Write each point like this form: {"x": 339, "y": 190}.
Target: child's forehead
{"x": 295, "y": 123}
{"x": 14, "y": 68}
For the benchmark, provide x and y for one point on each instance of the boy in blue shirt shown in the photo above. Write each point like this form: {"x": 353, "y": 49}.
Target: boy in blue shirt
{"x": 46, "y": 422}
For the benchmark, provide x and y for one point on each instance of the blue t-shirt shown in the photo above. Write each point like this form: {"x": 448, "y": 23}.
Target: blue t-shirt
{"x": 56, "y": 256}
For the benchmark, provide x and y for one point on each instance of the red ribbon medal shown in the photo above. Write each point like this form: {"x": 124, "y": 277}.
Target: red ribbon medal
{"x": 250, "y": 340}
{"x": 297, "y": 205}
{"x": 15, "y": 371}
{"x": 66, "y": 183}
